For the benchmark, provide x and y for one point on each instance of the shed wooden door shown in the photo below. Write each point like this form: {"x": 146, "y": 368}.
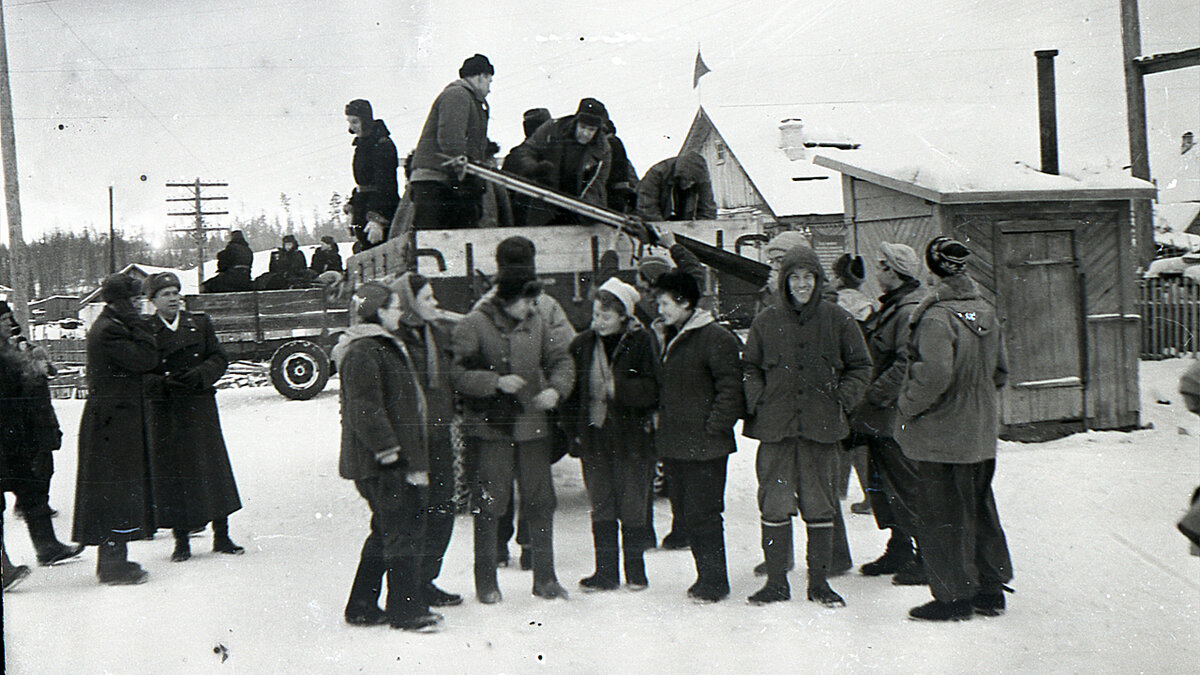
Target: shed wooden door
{"x": 1041, "y": 313}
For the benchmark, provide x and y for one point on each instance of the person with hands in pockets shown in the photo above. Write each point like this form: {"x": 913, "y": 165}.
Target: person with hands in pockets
{"x": 385, "y": 451}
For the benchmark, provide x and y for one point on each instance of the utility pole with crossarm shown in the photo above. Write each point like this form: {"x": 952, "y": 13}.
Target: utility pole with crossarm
{"x": 198, "y": 230}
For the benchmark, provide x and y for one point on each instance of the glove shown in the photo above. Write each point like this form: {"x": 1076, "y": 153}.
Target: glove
{"x": 189, "y": 379}
{"x": 543, "y": 170}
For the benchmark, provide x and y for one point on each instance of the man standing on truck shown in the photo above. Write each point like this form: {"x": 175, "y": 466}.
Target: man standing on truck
{"x": 376, "y": 194}
{"x": 456, "y": 127}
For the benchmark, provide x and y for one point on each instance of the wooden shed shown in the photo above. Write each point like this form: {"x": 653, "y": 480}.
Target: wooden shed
{"x": 1053, "y": 253}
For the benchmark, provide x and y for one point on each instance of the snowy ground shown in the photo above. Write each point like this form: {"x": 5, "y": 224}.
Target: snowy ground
{"x": 1104, "y": 581}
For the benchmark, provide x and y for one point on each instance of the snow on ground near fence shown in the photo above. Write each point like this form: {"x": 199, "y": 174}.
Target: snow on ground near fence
{"x": 1104, "y": 581}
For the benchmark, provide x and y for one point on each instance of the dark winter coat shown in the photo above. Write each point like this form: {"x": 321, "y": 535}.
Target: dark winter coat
{"x": 324, "y": 260}
{"x": 552, "y": 158}
{"x": 887, "y": 336}
{"x": 382, "y": 404}
{"x": 806, "y": 366}
{"x": 948, "y": 403}
{"x": 457, "y": 125}
{"x": 489, "y": 343}
{"x": 239, "y": 256}
{"x": 439, "y": 390}
{"x": 375, "y": 164}
{"x": 29, "y": 429}
{"x": 290, "y": 263}
{"x": 660, "y": 197}
{"x": 636, "y": 369}
{"x": 700, "y": 396}
{"x": 190, "y": 474}
{"x": 112, "y": 496}
{"x": 622, "y": 183}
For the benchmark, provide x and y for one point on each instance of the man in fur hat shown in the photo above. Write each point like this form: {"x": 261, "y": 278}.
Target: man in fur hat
{"x": 112, "y": 497}
{"x": 376, "y": 194}
{"x": 570, "y": 155}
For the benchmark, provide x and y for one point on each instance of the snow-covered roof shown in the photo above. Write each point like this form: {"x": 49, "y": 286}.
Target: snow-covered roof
{"x": 947, "y": 179}
{"x": 141, "y": 271}
{"x": 790, "y": 187}
{"x": 1176, "y": 217}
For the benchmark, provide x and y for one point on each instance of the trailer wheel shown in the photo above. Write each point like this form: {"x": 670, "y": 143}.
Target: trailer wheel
{"x": 299, "y": 370}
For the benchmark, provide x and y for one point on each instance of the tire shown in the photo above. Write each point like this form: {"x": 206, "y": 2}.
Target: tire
{"x": 299, "y": 370}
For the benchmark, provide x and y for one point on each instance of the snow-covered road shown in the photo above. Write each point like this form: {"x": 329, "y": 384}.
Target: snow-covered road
{"x": 1104, "y": 581}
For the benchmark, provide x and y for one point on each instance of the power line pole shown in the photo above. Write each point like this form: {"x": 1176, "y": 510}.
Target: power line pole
{"x": 1136, "y": 67}
{"x": 12, "y": 192}
{"x": 112, "y": 242}
{"x": 198, "y": 230}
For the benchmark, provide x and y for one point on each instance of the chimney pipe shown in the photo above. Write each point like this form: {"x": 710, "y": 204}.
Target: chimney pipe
{"x": 1047, "y": 115}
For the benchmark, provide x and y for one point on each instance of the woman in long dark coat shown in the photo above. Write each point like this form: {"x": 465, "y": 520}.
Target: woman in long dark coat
{"x": 190, "y": 474}
{"x": 112, "y": 496}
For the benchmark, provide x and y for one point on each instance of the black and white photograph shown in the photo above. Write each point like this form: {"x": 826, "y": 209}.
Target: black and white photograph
{"x": 507, "y": 337}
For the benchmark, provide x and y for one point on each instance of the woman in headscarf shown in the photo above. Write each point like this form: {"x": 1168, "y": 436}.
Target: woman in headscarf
{"x": 426, "y": 332}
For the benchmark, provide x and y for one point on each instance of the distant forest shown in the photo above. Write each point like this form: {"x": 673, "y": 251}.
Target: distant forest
{"x": 69, "y": 263}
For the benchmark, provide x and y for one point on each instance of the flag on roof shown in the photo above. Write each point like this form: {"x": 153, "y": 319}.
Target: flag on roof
{"x": 700, "y": 69}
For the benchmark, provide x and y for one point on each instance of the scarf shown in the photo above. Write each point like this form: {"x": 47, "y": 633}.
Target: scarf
{"x": 601, "y": 385}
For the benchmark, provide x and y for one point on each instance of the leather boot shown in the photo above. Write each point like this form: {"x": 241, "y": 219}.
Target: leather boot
{"x": 487, "y": 590}
{"x": 183, "y": 549}
{"x": 820, "y": 545}
{"x": 634, "y": 541}
{"x": 545, "y": 580}
{"x": 221, "y": 541}
{"x": 898, "y": 553}
{"x": 49, "y": 549}
{"x": 708, "y": 549}
{"x": 776, "y": 544}
{"x": 606, "y": 577}
{"x": 405, "y": 607}
{"x": 114, "y": 568}
{"x": 11, "y": 574}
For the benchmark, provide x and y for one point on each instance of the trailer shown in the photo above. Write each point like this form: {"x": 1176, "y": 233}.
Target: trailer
{"x": 294, "y": 329}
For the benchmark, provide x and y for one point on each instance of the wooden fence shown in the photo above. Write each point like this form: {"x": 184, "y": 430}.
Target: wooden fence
{"x": 1170, "y": 310}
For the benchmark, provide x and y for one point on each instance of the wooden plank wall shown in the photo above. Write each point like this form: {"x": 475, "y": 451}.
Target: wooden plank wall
{"x": 1104, "y": 257}
{"x": 913, "y": 231}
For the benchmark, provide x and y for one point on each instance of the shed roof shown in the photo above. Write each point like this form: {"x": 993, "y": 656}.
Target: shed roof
{"x": 946, "y": 179}
{"x": 790, "y": 187}
{"x": 141, "y": 271}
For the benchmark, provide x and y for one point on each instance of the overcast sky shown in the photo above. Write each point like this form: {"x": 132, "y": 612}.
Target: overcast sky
{"x": 138, "y": 93}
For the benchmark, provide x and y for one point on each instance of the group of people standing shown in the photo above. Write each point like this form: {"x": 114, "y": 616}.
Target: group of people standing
{"x": 916, "y": 382}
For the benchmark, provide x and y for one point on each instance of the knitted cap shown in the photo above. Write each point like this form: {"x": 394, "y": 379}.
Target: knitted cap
{"x": 901, "y": 258}
{"x": 946, "y": 257}
{"x": 784, "y": 242}
{"x": 627, "y": 294}
{"x": 651, "y": 267}
{"x": 368, "y": 299}
{"x": 329, "y": 240}
{"x": 850, "y": 268}
{"x": 157, "y": 282}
